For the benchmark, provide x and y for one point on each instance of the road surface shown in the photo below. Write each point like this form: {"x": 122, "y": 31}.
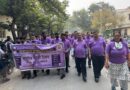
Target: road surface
{"x": 53, "y": 82}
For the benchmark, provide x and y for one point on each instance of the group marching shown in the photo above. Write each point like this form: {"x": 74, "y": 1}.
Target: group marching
{"x": 89, "y": 48}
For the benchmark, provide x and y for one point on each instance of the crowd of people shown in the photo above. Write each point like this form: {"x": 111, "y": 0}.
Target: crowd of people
{"x": 89, "y": 47}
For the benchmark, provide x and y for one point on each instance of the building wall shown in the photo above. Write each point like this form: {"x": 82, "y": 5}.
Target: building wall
{"x": 125, "y": 13}
{"x": 128, "y": 31}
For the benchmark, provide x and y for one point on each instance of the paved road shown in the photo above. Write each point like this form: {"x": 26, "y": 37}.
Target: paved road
{"x": 53, "y": 82}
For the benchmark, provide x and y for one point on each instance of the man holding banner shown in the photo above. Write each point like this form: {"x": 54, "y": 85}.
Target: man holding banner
{"x": 38, "y": 56}
{"x": 67, "y": 48}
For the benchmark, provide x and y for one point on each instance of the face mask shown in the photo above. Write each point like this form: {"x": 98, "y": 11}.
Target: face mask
{"x": 118, "y": 45}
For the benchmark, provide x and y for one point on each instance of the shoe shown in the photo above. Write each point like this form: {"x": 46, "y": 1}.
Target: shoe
{"x": 67, "y": 71}
{"x": 23, "y": 77}
{"x": 113, "y": 88}
{"x": 84, "y": 79}
{"x": 48, "y": 72}
{"x": 89, "y": 66}
{"x": 96, "y": 80}
{"x": 63, "y": 76}
{"x": 43, "y": 71}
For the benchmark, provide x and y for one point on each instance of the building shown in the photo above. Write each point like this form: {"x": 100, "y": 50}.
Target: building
{"x": 124, "y": 25}
{"x": 4, "y": 33}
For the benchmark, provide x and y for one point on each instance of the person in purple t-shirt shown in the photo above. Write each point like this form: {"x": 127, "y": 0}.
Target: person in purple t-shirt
{"x": 117, "y": 54}
{"x": 80, "y": 54}
{"x": 67, "y": 48}
{"x": 34, "y": 41}
{"x": 68, "y": 37}
{"x": 97, "y": 49}
{"x": 45, "y": 41}
{"x": 57, "y": 38}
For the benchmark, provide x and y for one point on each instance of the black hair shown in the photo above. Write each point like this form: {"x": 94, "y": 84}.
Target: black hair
{"x": 117, "y": 32}
{"x": 56, "y": 34}
{"x": 63, "y": 34}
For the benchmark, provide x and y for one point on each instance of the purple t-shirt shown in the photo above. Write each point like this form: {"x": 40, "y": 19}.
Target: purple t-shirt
{"x": 67, "y": 46}
{"x": 97, "y": 46}
{"x": 57, "y": 40}
{"x": 46, "y": 41}
{"x": 80, "y": 49}
{"x": 117, "y": 56}
{"x": 35, "y": 41}
{"x": 87, "y": 40}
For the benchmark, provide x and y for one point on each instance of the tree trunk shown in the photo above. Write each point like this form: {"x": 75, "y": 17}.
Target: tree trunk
{"x": 13, "y": 31}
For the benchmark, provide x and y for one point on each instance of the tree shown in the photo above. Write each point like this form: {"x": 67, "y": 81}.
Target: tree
{"x": 103, "y": 15}
{"x": 56, "y": 13}
{"x": 81, "y": 19}
{"x": 36, "y": 14}
{"x": 98, "y": 6}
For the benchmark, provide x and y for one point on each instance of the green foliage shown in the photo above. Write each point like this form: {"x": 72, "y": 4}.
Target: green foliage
{"x": 98, "y": 6}
{"x": 103, "y": 16}
{"x": 3, "y": 7}
{"x": 38, "y": 15}
{"x": 81, "y": 19}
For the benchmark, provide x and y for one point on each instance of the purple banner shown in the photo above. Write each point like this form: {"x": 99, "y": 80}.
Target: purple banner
{"x": 38, "y": 56}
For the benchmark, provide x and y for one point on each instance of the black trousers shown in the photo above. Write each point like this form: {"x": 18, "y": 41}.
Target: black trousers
{"x": 35, "y": 73}
{"x": 129, "y": 68}
{"x": 67, "y": 62}
{"x": 67, "y": 65}
{"x": 89, "y": 61}
{"x": 98, "y": 64}
{"x": 81, "y": 66}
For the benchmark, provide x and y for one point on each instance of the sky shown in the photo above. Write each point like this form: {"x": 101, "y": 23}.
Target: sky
{"x": 75, "y": 5}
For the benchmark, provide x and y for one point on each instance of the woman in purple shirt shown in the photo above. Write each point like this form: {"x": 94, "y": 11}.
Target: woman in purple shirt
{"x": 97, "y": 49}
{"x": 116, "y": 60}
{"x": 80, "y": 54}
